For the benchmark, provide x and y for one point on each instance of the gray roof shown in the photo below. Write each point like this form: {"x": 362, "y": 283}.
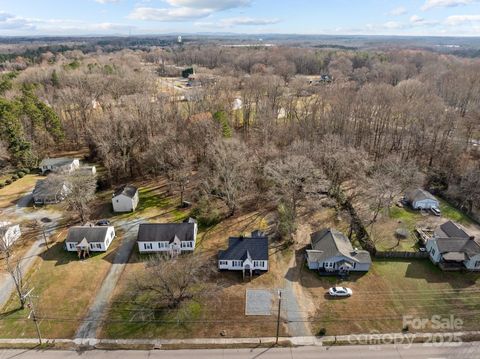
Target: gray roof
{"x": 126, "y": 190}
{"x": 58, "y": 162}
{"x": 450, "y": 246}
{"x": 254, "y": 247}
{"x": 166, "y": 232}
{"x": 451, "y": 230}
{"x": 91, "y": 234}
{"x": 329, "y": 243}
{"x": 46, "y": 189}
{"x": 418, "y": 194}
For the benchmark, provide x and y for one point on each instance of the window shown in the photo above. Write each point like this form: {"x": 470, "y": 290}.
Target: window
{"x": 72, "y": 245}
{"x": 147, "y": 245}
{"x": 432, "y": 251}
{"x": 223, "y": 263}
{"x": 477, "y": 264}
{"x": 237, "y": 263}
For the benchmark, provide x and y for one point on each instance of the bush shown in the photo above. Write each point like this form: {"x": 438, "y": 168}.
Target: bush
{"x": 25, "y": 170}
{"x": 205, "y": 214}
{"x": 8, "y": 181}
{"x": 2, "y": 184}
{"x": 20, "y": 174}
{"x": 14, "y": 178}
{"x": 322, "y": 332}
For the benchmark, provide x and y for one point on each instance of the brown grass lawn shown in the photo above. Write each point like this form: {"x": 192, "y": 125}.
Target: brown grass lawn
{"x": 11, "y": 193}
{"x": 391, "y": 290}
{"x": 64, "y": 286}
{"x": 224, "y": 311}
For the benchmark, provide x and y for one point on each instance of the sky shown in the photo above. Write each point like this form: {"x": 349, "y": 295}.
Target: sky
{"x": 336, "y": 17}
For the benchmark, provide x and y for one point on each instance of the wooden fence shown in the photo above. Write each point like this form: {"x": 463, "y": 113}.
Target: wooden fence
{"x": 401, "y": 255}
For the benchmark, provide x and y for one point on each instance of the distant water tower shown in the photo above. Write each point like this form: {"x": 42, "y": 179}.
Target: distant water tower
{"x": 179, "y": 39}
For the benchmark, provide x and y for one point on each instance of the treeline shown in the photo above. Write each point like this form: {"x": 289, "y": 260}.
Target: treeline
{"x": 261, "y": 133}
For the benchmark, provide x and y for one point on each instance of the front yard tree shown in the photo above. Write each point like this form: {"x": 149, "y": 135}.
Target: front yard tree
{"x": 168, "y": 283}
{"x": 13, "y": 269}
{"x": 81, "y": 191}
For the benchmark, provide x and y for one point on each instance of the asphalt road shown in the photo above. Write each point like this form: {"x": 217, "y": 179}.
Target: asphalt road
{"x": 417, "y": 351}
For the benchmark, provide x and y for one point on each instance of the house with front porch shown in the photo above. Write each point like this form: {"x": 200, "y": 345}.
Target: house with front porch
{"x": 172, "y": 238}
{"x": 332, "y": 253}
{"x": 86, "y": 239}
{"x": 452, "y": 248}
{"x": 59, "y": 164}
{"x": 248, "y": 254}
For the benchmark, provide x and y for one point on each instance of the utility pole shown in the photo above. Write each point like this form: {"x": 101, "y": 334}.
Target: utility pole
{"x": 278, "y": 314}
{"x": 32, "y": 314}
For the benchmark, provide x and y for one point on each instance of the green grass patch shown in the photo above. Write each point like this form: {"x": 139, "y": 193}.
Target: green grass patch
{"x": 454, "y": 214}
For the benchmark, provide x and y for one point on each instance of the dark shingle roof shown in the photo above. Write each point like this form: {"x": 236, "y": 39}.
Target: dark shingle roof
{"x": 163, "y": 232}
{"x": 91, "y": 234}
{"x": 126, "y": 190}
{"x": 240, "y": 248}
{"x": 418, "y": 194}
{"x": 45, "y": 188}
{"x": 329, "y": 243}
{"x": 453, "y": 230}
{"x": 458, "y": 245}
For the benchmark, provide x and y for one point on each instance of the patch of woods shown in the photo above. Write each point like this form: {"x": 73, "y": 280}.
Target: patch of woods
{"x": 389, "y": 120}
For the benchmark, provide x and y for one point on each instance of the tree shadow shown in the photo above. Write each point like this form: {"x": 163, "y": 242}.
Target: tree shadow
{"x": 426, "y": 270}
{"x": 10, "y": 312}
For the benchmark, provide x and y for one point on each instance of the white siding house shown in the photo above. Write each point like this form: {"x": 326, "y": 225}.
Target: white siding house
{"x": 246, "y": 254}
{"x": 172, "y": 238}
{"x": 421, "y": 199}
{"x": 332, "y": 253}
{"x": 60, "y": 164}
{"x": 451, "y": 248}
{"x": 125, "y": 199}
{"x": 85, "y": 239}
{"x": 9, "y": 234}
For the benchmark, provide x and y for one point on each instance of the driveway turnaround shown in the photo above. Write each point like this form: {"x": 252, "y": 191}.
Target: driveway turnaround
{"x": 90, "y": 325}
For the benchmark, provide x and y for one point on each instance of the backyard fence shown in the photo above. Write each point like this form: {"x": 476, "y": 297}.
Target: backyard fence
{"x": 401, "y": 255}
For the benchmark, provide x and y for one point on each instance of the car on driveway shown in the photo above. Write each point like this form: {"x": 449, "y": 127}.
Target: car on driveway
{"x": 436, "y": 211}
{"x": 340, "y": 292}
{"x": 103, "y": 222}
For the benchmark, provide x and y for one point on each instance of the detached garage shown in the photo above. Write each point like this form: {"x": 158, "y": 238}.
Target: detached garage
{"x": 421, "y": 199}
{"x": 125, "y": 199}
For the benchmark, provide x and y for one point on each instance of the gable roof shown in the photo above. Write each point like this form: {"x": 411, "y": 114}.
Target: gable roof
{"x": 92, "y": 234}
{"x": 44, "y": 188}
{"x": 126, "y": 190}
{"x": 419, "y": 194}
{"x": 166, "y": 232}
{"x": 254, "y": 247}
{"x": 329, "y": 243}
{"x": 56, "y": 162}
{"x": 457, "y": 248}
{"x": 451, "y": 230}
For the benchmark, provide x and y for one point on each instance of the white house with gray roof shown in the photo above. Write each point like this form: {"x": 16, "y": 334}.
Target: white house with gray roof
{"x": 86, "y": 239}
{"x": 331, "y": 252}
{"x": 60, "y": 164}
{"x": 125, "y": 199}
{"x": 48, "y": 191}
{"x": 245, "y": 253}
{"x": 452, "y": 248}
{"x": 421, "y": 199}
{"x": 172, "y": 238}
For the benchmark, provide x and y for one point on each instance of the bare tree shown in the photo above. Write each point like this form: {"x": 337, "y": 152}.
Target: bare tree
{"x": 81, "y": 191}
{"x": 168, "y": 283}
{"x": 14, "y": 269}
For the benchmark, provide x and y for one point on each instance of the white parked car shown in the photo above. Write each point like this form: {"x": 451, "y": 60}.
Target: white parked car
{"x": 340, "y": 292}
{"x": 436, "y": 211}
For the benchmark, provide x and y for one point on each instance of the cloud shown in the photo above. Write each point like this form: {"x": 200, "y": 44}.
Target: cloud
{"x": 12, "y": 22}
{"x": 456, "y": 20}
{"x": 420, "y": 21}
{"x": 107, "y": 1}
{"x": 185, "y": 10}
{"x": 398, "y": 11}
{"x": 248, "y": 21}
{"x": 214, "y": 5}
{"x": 430, "y": 4}
{"x": 391, "y": 25}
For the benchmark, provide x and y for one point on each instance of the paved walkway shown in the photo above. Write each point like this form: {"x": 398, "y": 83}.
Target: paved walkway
{"x": 92, "y": 322}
